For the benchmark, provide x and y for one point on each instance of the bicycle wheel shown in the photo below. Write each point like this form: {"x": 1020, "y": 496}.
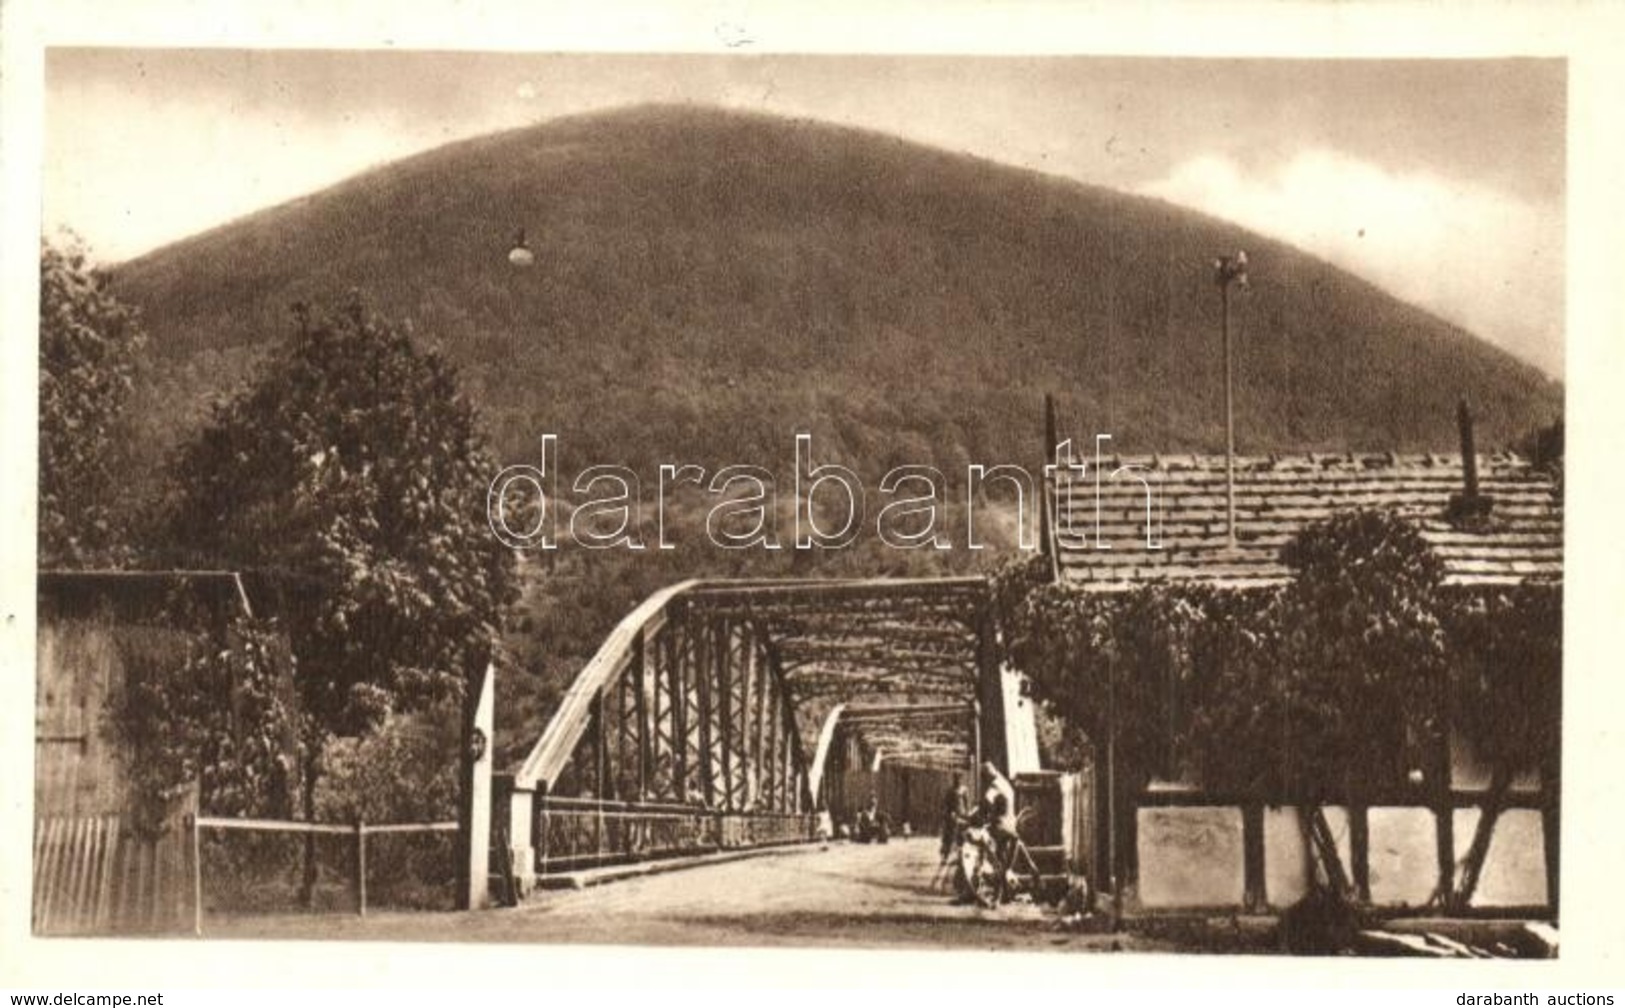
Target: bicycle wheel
{"x": 980, "y": 868}
{"x": 1024, "y": 873}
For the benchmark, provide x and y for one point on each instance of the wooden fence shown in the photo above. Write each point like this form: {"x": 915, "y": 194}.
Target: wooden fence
{"x": 98, "y": 874}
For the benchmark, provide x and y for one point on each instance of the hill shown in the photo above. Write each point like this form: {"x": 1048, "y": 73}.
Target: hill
{"x": 708, "y": 283}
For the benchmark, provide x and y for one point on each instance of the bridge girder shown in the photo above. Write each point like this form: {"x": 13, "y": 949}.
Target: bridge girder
{"x": 711, "y": 694}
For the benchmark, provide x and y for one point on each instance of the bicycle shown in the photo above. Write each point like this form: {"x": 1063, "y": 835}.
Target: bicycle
{"x": 981, "y": 867}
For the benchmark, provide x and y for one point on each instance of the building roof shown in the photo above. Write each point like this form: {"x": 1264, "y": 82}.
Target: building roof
{"x": 1521, "y": 539}
{"x": 152, "y": 593}
{"x": 142, "y": 594}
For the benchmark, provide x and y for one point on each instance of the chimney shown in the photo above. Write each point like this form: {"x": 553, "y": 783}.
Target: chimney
{"x": 1051, "y": 438}
{"x": 1469, "y": 455}
{"x": 1469, "y": 505}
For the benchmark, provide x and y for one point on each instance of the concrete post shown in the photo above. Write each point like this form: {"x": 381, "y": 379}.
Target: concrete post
{"x": 475, "y": 829}
{"x": 516, "y": 808}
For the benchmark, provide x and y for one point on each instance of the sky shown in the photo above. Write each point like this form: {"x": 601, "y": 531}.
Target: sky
{"x": 1442, "y": 181}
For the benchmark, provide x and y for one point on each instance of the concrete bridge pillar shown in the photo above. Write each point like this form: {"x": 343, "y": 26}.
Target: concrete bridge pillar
{"x": 516, "y": 809}
{"x": 1020, "y": 725}
{"x": 1008, "y": 728}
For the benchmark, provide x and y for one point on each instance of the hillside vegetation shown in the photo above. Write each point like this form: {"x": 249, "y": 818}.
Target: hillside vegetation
{"x": 708, "y": 283}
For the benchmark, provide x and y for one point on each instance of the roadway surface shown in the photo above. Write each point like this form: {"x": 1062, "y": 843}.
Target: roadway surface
{"x": 845, "y": 895}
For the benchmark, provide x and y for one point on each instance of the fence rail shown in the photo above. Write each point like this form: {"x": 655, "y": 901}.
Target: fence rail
{"x": 345, "y": 829}
{"x": 356, "y": 870}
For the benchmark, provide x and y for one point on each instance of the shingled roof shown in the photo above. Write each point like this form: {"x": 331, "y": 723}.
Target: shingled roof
{"x": 1521, "y": 538}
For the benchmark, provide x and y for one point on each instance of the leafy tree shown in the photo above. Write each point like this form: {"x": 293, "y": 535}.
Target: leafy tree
{"x": 1506, "y": 695}
{"x": 353, "y": 471}
{"x": 1544, "y": 449}
{"x": 400, "y": 773}
{"x": 1342, "y": 671}
{"x": 1364, "y": 653}
{"x": 89, "y": 343}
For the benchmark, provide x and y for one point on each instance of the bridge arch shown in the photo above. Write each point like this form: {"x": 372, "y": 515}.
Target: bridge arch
{"x": 901, "y": 756}
{"x": 709, "y": 717}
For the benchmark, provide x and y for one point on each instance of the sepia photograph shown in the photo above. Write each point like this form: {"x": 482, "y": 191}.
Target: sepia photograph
{"x": 1068, "y": 504}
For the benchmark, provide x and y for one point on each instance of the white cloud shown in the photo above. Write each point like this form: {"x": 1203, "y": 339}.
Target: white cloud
{"x": 128, "y": 176}
{"x": 1488, "y": 261}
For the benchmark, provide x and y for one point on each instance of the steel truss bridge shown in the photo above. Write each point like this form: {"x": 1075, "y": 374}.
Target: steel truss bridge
{"x": 715, "y": 712}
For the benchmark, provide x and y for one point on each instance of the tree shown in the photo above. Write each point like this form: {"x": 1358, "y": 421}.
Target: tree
{"x": 1363, "y": 654}
{"x": 1506, "y": 697}
{"x": 89, "y": 342}
{"x": 352, "y": 471}
{"x": 1544, "y": 449}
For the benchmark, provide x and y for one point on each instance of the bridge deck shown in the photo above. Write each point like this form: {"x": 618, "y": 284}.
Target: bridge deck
{"x": 849, "y": 895}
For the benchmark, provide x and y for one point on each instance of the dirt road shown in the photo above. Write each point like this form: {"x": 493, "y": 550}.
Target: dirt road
{"x": 848, "y": 895}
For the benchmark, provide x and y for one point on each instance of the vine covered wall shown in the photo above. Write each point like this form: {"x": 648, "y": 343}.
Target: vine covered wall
{"x": 1339, "y": 685}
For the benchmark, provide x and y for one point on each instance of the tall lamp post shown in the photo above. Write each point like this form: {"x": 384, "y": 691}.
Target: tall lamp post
{"x": 1114, "y": 874}
{"x": 1229, "y": 271}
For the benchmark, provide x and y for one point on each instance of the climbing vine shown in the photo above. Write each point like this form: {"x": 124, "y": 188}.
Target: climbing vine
{"x": 1339, "y": 687}
{"x": 1506, "y": 697}
{"x": 1506, "y": 688}
{"x": 222, "y": 716}
{"x": 1333, "y": 685}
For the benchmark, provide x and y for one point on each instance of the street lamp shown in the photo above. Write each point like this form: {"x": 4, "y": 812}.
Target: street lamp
{"x": 1114, "y": 869}
{"x": 521, "y": 255}
{"x": 1228, "y": 271}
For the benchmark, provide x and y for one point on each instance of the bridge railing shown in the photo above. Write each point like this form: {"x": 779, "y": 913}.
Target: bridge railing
{"x": 763, "y": 829}
{"x": 583, "y": 832}
{"x": 577, "y": 833}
